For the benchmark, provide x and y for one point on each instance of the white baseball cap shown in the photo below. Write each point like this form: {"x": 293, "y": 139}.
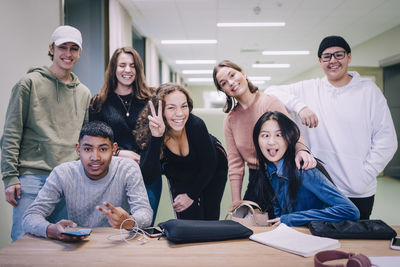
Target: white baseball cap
{"x": 65, "y": 34}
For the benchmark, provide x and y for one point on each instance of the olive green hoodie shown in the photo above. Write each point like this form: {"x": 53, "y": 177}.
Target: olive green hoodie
{"x": 43, "y": 121}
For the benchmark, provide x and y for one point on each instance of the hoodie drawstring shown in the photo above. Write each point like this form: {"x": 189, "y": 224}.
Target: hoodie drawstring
{"x": 75, "y": 104}
{"x": 57, "y": 92}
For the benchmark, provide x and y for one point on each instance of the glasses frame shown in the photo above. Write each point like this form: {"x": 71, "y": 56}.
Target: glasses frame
{"x": 334, "y": 54}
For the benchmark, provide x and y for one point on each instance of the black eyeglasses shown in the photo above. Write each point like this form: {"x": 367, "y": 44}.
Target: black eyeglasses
{"x": 338, "y": 55}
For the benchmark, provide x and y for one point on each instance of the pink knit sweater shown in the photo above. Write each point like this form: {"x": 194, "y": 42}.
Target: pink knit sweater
{"x": 238, "y": 127}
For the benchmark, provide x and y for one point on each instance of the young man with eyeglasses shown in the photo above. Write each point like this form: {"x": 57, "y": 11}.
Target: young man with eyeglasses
{"x": 351, "y": 130}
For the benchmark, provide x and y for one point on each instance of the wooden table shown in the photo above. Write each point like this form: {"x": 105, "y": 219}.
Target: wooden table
{"x": 100, "y": 251}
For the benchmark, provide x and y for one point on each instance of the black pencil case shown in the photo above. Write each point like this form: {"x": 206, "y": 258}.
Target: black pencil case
{"x": 188, "y": 231}
{"x": 362, "y": 229}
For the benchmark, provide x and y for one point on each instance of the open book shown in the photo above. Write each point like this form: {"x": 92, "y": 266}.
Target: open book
{"x": 290, "y": 240}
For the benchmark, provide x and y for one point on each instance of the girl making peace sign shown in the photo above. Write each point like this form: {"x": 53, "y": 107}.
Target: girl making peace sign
{"x": 177, "y": 143}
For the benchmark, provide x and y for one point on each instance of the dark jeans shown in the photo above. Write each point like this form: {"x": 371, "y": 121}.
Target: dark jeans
{"x": 364, "y": 205}
{"x": 250, "y": 193}
{"x": 154, "y": 194}
{"x": 208, "y": 205}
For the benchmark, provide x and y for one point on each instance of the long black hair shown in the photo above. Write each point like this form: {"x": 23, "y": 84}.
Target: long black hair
{"x": 291, "y": 134}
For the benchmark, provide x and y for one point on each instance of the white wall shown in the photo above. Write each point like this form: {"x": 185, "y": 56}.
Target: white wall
{"x": 164, "y": 73}
{"x": 120, "y": 26}
{"x": 151, "y": 59}
{"x": 367, "y": 54}
{"x": 25, "y": 37}
{"x": 383, "y": 46}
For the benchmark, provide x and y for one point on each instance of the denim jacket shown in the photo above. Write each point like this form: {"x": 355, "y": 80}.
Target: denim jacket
{"x": 317, "y": 198}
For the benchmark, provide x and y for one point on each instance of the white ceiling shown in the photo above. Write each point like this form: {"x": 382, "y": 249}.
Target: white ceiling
{"x": 307, "y": 22}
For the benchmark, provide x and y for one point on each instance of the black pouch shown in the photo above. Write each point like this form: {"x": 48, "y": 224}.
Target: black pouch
{"x": 188, "y": 231}
{"x": 362, "y": 229}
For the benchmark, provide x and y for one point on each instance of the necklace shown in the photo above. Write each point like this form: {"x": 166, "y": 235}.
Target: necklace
{"x": 124, "y": 103}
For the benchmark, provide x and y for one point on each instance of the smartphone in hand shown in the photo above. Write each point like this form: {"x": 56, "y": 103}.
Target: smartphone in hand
{"x": 79, "y": 232}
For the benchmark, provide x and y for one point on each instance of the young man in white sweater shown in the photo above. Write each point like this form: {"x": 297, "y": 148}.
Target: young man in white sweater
{"x": 351, "y": 130}
{"x": 97, "y": 178}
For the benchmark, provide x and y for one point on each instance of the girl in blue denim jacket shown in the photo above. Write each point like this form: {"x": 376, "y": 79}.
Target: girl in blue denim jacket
{"x": 296, "y": 197}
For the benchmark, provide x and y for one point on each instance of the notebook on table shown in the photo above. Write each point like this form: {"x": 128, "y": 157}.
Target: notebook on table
{"x": 290, "y": 240}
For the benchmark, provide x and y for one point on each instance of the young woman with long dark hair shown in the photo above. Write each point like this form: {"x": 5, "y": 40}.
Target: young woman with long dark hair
{"x": 119, "y": 103}
{"x": 293, "y": 195}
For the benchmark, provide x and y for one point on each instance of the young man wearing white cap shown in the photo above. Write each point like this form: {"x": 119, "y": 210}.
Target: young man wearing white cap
{"x": 46, "y": 111}
{"x": 355, "y": 135}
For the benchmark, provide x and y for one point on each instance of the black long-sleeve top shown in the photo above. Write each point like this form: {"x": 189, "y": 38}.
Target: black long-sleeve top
{"x": 114, "y": 114}
{"x": 187, "y": 174}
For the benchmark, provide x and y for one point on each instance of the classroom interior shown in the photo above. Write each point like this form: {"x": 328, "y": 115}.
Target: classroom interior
{"x": 109, "y": 24}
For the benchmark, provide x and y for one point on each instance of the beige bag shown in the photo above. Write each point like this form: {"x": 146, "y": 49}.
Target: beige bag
{"x": 247, "y": 213}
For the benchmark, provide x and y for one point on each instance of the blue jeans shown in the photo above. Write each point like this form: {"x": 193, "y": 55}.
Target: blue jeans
{"x": 30, "y": 187}
{"x": 154, "y": 193}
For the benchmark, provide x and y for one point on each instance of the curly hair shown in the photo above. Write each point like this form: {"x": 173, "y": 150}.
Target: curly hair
{"x": 142, "y": 130}
{"x": 230, "y": 101}
{"x": 139, "y": 87}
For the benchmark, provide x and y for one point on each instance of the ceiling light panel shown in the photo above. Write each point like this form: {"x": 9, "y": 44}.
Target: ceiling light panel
{"x": 251, "y": 24}
{"x": 196, "y": 61}
{"x": 271, "y": 66}
{"x": 200, "y": 79}
{"x": 188, "y": 41}
{"x": 258, "y": 82}
{"x": 197, "y": 71}
{"x": 259, "y": 78}
{"x": 279, "y": 53}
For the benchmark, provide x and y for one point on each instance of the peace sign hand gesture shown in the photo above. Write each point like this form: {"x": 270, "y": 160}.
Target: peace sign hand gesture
{"x": 116, "y": 216}
{"x": 156, "y": 122}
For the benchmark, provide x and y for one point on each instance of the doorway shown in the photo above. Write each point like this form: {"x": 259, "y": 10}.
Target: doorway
{"x": 391, "y": 85}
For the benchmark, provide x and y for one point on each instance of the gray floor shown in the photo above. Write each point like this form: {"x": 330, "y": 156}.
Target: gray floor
{"x": 387, "y": 201}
